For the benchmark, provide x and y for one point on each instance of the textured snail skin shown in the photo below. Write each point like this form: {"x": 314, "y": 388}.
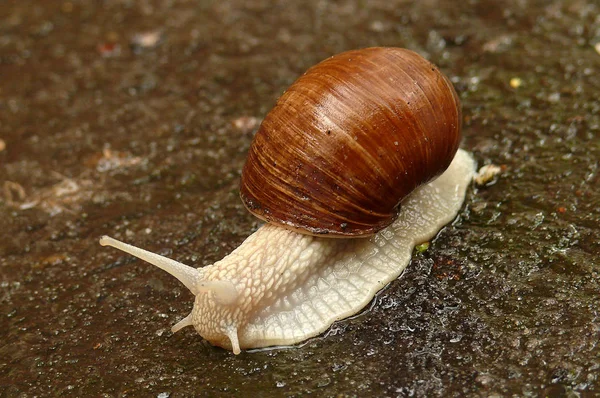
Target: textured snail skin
{"x": 281, "y": 287}
{"x": 349, "y": 140}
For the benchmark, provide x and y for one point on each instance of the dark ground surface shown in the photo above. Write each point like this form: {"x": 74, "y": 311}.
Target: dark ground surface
{"x": 146, "y": 142}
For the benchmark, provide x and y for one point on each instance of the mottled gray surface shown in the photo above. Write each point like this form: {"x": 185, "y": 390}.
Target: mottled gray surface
{"x": 146, "y": 143}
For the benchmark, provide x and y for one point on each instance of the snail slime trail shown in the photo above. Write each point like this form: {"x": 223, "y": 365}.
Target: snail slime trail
{"x": 380, "y": 128}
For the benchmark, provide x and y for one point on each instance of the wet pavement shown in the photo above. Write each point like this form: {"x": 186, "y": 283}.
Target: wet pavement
{"x": 133, "y": 118}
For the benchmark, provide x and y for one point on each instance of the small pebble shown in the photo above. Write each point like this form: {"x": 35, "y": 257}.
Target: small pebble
{"x": 377, "y": 26}
{"x": 109, "y": 50}
{"x": 145, "y": 40}
{"x": 554, "y": 97}
{"x": 246, "y": 123}
{"x": 486, "y": 174}
{"x": 516, "y": 82}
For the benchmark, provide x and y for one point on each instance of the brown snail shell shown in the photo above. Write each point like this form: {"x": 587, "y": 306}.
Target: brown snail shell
{"x": 349, "y": 140}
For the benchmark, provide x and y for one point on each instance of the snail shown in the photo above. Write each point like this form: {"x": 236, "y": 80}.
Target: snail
{"x": 363, "y": 147}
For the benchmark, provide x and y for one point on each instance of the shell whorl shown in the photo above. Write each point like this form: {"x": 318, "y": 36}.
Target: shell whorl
{"x": 349, "y": 140}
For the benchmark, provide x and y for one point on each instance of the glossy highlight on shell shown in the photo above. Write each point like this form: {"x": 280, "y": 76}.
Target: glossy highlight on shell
{"x": 349, "y": 140}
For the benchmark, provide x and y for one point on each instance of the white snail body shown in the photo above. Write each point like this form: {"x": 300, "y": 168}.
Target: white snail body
{"x": 281, "y": 287}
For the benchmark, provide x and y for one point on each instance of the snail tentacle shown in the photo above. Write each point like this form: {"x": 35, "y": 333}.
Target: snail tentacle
{"x": 187, "y": 321}
{"x": 184, "y": 273}
{"x": 232, "y": 333}
{"x": 223, "y": 291}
